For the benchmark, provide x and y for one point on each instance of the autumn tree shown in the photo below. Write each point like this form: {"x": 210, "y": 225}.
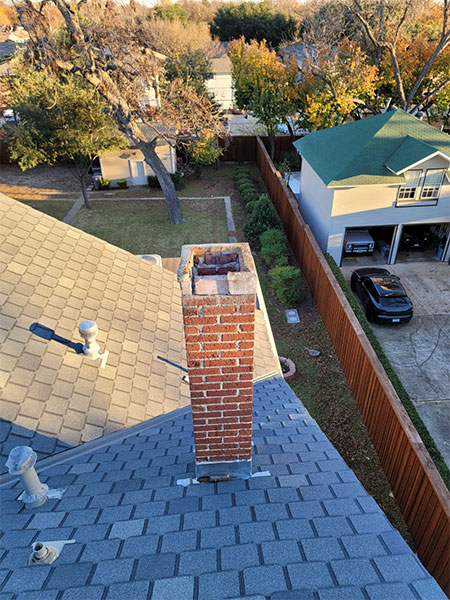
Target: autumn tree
{"x": 170, "y": 12}
{"x": 193, "y": 68}
{"x": 336, "y": 81}
{"x": 264, "y": 86}
{"x": 175, "y": 37}
{"x": 118, "y": 63}
{"x": 60, "y": 120}
{"x": 398, "y": 33}
{"x": 8, "y": 15}
{"x": 254, "y": 21}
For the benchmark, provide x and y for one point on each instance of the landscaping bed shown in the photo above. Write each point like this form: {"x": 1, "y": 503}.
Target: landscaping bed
{"x": 142, "y": 226}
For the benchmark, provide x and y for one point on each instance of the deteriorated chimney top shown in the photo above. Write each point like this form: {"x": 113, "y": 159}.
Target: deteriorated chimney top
{"x": 212, "y": 269}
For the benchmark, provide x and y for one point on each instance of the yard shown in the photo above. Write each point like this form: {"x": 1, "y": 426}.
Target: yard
{"x": 142, "y": 227}
{"x": 55, "y": 208}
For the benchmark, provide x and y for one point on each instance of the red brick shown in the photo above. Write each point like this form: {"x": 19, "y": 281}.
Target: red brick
{"x": 246, "y": 345}
{"x": 222, "y": 392}
{"x": 200, "y": 320}
{"x": 247, "y": 308}
{"x": 235, "y": 319}
{"x": 245, "y": 376}
{"x": 206, "y": 386}
{"x": 201, "y": 338}
{"x": 210, "y": 354}
{"x": 237, "y": 385}
{"x": 247, "y": 327}
{"x": 220, "y": 310}
{"x": 220, "y": 329}
{"x": 193, "y": 364}
{"x": 228, "y": 363}
{"x": 238, "y": 369}
{"x": 192, "y": 347}
{"x": 199, "y": 300}
{"x": 220, "y": 346}
{"x": 193, "y": 379}
{"x": 222, "y": 378}
{"x": 238, "y": 337}
{"x": 238, "y": 299}
{"x": 205, "y": 371}
{"x": 246, "y": 361}
{"x": 202, "y": 271}
{"x": 238, "y": 354}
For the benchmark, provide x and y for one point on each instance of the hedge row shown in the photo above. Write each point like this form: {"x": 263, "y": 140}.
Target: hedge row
{"x": 263, "y": 230}
{"x": 398, "y": 386}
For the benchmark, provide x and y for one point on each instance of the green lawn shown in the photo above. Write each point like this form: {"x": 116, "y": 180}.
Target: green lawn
{"x": 54, "y": 208}
{"x": 142, "y": 226}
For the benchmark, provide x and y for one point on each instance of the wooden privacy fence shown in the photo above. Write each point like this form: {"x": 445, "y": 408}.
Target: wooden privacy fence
{"x": 243, "y": 148}
{"x": 420, "y": 492}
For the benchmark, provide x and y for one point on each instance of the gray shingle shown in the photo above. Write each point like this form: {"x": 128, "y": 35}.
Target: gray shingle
{"x": 110, "y": 514}
{"x": 41, "y": 595}
{"x": 283, "y": 495}
{"x": 332, "y": 526}
{"x": 235, "y": 515}
{"x": 306, "y": 510}
{"x": 139, "y": 546}
{"x": 218, "y": 585}
{"x": 25, "y": 578}
{"x": 135, "y": 590}
{"x": 198, "y": 562}
{"x": 256, "y": 532}
{"x": 180, "y": 588}
{"x": 345, "y": 571}
{"x": 347, "y": 490}
{"x": 271, "y": 512}
{"x": 126, "y": 529}
{"x": 106, "y": 549}
{"x": 393, "y": 591}
{"x": 214, "y": 502}
{"x": 217, "y": 537}
{"x": 240, "y": 556}
{"x": 309, "y": 576}
{"x": 294, "y": 595}
{"x": 113, "y": 571}
{"x": 315, "y": 492}
{"x": 428, "y": 589}
{"x": 400, "y": 568}
{"x": 370, "y": 523}
{"x": 162, "y": 525}
{"x": 294, "y": 529}
{"x": 91, "y": 532}
{"x": 179, "y": 541}
{"x": 183, "y": 505}
{"x": 199, "y": 520}
{"x": 264, "y": 580}
{"x": 343, "y": 593}
{"x": 294, "y": 481}
{"x": 322, "y": 549}
{"x": 280, "y": 552}
{"x": 76, "y": 518}
{"x": 101, "y": 500}
{"x": 342, "y": 506}
{"x": 15, "y": 539}
{"x": 153, "y": 509}
{"x": 395, "y": 542}
{"x": 67, "y": 575}
{"x": 250, "y": 497}
{"x": 366, "y": 545}
{"x": 156, "y": 566}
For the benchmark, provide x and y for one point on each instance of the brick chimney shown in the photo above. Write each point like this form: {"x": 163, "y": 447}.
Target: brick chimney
{"x": 218, "y": 287}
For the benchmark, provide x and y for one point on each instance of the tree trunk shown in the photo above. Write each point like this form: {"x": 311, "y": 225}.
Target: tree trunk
{"x": 165, "y": 181}
{"x": 84, "y": 191}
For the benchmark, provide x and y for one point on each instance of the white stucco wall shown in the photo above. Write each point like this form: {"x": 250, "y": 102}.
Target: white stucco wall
{"x": 117, "y": 165}
{"x": 222, "y": 87}
{"x": 375, "y": 205}
{"x": 315, "y": 203}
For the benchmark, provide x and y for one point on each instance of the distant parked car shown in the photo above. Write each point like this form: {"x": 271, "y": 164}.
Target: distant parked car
{"x": 382, "y": 294}
{"x": 416, "y": 238}
{"x": 358, "y": 241}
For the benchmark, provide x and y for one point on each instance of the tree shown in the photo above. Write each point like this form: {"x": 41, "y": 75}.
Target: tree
{"x": 203, "y": 153}
{"x": 60, "y": 120}
{"x": 388, "y": 27}
{"x": 170, "y": 12}
{"x": 192, "y": 67}
{"x": 117, "y": 62}
{"x": 264, "y": 86}
{"x": 254, "y": 21}
{"x": 8, "y": 15}
{"x": 175, "y": 37}
{"x": 335, "y": 81}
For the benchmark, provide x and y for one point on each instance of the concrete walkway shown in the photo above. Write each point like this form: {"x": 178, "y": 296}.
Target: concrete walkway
{"x": 79, "y": 202}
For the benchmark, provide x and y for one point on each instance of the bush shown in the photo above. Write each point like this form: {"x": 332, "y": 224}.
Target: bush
{"x": 391, "y": 373}
{"x": 262, "y": 217}
{"x": 241, "y": 171}
{"x": 104, "y": 184}
{"x": 285, "y": 284}
{"x": 246, "y": 187}
{"x": 123, "y": 184}
{"x": 249, "y": 197}
{"x": 273, "y": 247}
{"x": 175, "y": 177}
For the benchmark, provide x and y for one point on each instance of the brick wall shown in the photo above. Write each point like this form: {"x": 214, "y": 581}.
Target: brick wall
{"x": 219, "y": 335}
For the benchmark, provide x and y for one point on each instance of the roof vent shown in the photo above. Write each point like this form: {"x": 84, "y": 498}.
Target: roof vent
{"x": 154, "y": 258}
{"x": 21, "y": 462}
{"x": 45, "y": 553}
{"x": 89, "y": 331}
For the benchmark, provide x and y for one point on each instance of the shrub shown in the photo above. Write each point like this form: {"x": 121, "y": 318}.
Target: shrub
{"x": 246, "y": 187}
{"x": 122, "y": 183}
{"x": 249, "y": 196}
{"x": 250, "y": 207}
{"x": 241, "y": 171}
{"x": 262, "y": 217}
{"x": 273, "y": 247}
{"x": 175, "y": 177}
{"x": 153, "y": 181}
{"x": 104, "y": 184}
{"x": 285, "y": 284}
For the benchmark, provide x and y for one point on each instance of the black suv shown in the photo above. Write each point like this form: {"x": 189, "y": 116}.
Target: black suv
{"x": 382, "y": 294}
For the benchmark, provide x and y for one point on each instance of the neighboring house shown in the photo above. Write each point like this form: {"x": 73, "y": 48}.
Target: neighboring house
{"x": 301, "y": 526}
{"x": 221, "y": 81}
{"x": 130, "y": 164}
{"x": 388, "y": 171}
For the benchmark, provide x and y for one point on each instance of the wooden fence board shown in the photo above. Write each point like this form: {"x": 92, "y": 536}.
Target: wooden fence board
{"x": 415, "y": 481}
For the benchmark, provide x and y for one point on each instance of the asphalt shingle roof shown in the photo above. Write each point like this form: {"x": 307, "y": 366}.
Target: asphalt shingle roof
{"x": 54, "y": 274}
{"x": 357, "y": 153}
{"x": 307, "y": 531}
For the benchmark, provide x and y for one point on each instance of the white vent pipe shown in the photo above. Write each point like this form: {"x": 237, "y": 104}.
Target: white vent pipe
{"x": 89, "y": 331}
{"x": 21, "y": 462}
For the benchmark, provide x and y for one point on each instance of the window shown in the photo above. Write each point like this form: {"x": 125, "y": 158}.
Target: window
{"x": 432, "y": 184}
{"x": 407, "y": 191}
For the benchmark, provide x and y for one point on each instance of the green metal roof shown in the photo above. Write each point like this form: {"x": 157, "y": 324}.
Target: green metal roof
{"x": 360, "y": 152}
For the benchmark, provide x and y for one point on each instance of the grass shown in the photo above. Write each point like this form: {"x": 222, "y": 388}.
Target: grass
{"x": 55, "y": 208}
{"x": 395, "y": 380}
{"x": 142, "y": 226}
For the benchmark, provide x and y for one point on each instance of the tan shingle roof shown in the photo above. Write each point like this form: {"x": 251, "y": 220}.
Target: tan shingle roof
{"x": 56, "y": 275}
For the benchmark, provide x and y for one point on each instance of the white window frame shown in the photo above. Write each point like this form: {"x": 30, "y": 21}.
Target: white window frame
{"x": 431, "y": 192}
{"x": 407, "y": 191}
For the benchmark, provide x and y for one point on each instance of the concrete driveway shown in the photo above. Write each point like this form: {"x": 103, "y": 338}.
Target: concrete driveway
{"x": 419, "y": 351}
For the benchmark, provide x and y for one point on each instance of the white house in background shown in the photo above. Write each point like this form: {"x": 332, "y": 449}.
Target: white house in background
{"x": 130, "y": 164}
{"x": 388, "y": 171}
{"x": 221, "y": 81}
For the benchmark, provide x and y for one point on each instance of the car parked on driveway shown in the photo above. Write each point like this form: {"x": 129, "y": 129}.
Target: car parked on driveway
{"x": 382, "y": 294}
